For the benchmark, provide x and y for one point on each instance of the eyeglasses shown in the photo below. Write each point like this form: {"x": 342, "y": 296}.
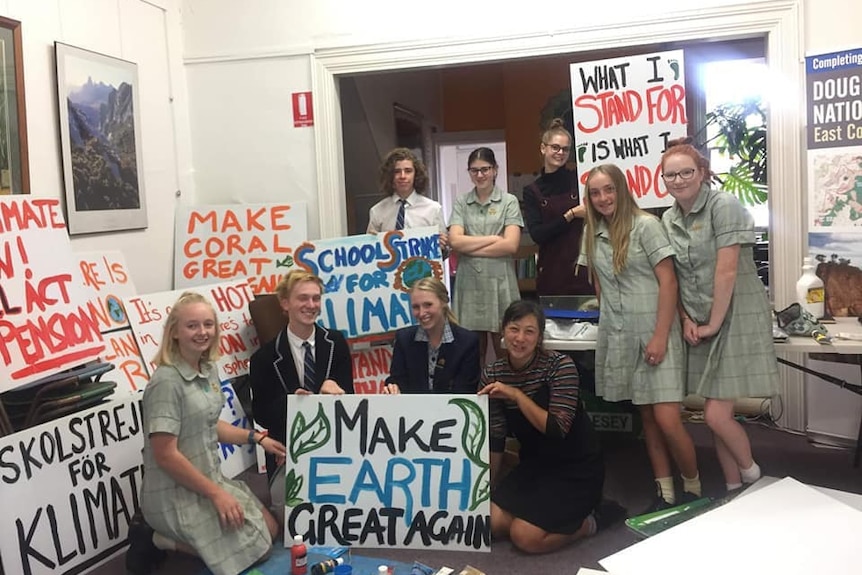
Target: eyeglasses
{"x": 684, "y": 175}
{"x": 556, "y": 148}
{"x": 483, "y": 170}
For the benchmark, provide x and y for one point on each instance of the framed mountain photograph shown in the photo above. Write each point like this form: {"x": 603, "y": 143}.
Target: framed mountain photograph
{"x": 14, "y": 170}
{"x": 100, "y": 133}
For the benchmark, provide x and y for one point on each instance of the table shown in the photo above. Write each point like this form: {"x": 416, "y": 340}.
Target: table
{"x": 842, "y": 350}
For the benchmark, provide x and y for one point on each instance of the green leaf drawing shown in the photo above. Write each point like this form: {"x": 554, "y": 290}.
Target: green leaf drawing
{"x": 305, "y": 438}
{"x": 481, "y": 489}
{"x": 473, "y": 435}
{"x": 472, "y": 440}
{"x": 292, "y": 485}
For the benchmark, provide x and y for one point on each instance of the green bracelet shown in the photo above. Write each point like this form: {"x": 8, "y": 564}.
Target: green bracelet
{"x": 250, "y": 439}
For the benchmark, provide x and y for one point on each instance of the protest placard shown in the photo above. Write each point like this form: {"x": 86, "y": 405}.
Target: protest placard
{"x": 625, "y": 110}
{"x": 106, "y": 278}
{"x": 254, "y": 242}
{"x": 367, "y": 277}
{"x": 238, "y": 339}
{"x": 45, "y": 325}
{"x": 130, "y": 369}
{"x": 70, "y": 488}
{"x": 370, "y": 368}
{"x": 399, "y": 471}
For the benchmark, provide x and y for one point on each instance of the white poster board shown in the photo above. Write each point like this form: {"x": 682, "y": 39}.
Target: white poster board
{"x": 147, "y": 314}
{"x": 45, "y": 326}
{"x": 254, "y": 242}
{"x": 370, "y": 368}
{"x": 397, "y": 471}
{"x": 70, "y": 487}
{"x": 130, "y": 369}
{"x": 367, "y": 277}
{"x": 625, "y": 111}
{"x": 106, "y": 278}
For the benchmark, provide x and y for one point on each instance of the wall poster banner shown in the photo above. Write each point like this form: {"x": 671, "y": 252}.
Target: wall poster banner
{"x": 367, "y": 277}
{"x": 70, "y": 488}
{"x": 625, "y": 111}
{"x": 834, "y": 137}
{"x": 398, "y": 471}
{"x": 254, "y": 242}
{"x": 45, "y": 326}
{"x": 106, "y": 276}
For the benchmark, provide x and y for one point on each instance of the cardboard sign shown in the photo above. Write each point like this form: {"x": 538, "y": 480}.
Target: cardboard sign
{"x": 234, "y": 458}
{"x": 399, "y": 471}
{"x": 238, "y": 339}
{"x": 255, "y": 242}
{"x": 130, "y": 369}
{"x": 367, "y": 277}
{"x": 70, "y": 488}
{"x": 371, "y": 368}
{"x": 45, "y": 325}
{"x": 625, "y": 111}
{"x": 106, "y": 277}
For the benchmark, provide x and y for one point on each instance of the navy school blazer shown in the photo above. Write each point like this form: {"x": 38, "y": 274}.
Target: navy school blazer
{"x": 457, "y": 369}
{"x": 272, "y": 375}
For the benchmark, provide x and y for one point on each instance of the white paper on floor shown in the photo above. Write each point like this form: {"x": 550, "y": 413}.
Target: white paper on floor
{"x": 786, "y": 528}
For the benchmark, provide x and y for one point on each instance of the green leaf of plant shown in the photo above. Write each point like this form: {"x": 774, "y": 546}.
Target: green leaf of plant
{"x": 292, "y": 485}
{"x": 305, "y": 438}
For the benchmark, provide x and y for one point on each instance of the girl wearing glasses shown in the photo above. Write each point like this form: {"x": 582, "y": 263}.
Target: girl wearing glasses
{"x": 639, "y": 355}
{"x": 726, "y": 318}
{"x": 485, "y": 231}
{"x": 554, "y": 217}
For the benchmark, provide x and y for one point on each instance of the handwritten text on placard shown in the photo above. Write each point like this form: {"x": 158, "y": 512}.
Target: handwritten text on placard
{"x": 389, "y": 471}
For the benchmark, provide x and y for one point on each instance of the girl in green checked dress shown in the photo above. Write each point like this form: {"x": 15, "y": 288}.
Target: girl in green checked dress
{"x": 726, "y": 317}
{"x": 639, "y": 354}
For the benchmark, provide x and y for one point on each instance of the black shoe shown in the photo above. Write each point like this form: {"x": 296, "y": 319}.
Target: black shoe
{"x": 660, "y": 504}
{"x": 608, "y": 513}
{"x": 687, "y": 497}
{"x": 143, "y": 556}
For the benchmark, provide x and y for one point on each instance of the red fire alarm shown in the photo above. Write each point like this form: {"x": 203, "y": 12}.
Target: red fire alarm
{"x": 303, "y": 111}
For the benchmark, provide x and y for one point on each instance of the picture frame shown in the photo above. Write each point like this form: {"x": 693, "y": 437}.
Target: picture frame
{"x": 14, "y": 158}
{"x": 100, "y": 136}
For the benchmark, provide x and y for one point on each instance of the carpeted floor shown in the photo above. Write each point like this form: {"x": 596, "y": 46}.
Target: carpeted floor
{"x": 629, "y": 481}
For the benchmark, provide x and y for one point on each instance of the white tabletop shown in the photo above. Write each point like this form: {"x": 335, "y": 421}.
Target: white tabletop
{"x": 842, "y": 325}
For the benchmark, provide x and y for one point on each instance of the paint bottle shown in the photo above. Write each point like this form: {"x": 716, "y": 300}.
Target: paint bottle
{"x": 327, "y": 566}
{"x": 384, "y": 570}
{"x": 298, "y": 557}
{"x": 809, "y": 290}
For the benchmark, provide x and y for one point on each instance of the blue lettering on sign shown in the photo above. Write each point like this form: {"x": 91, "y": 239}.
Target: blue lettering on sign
{"x": 388, "y": 253}
{"x": 399, "y": 480}
{"x": 371, "y": 314}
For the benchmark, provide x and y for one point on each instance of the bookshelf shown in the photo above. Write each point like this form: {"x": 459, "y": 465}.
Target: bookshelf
{"x": 525, "y": 268}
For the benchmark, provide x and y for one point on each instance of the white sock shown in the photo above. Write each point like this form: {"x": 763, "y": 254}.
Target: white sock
{"x": 163, "y": 543}
{"x": 593, "y": 526}
{"x": 665, "y": 489}
{"x": 733, "y": 486}
{"x": 751, "y": 474}
{"x": 692, "y": 485}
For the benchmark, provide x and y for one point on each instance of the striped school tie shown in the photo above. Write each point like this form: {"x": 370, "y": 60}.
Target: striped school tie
{"x": 308, "y": 368}
{"x": 399, "y": 220}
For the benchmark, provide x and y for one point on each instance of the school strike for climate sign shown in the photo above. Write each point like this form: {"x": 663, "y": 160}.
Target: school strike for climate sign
{"x": 367, "y": 277}
{"x": 238, "y": 338}
{"x": 45, "y": 326}
{"x": 69, "y": 489}
{"x": 390, "y": 471}
{"x": 625, "y": 111}
{"x": 254, "y": 242}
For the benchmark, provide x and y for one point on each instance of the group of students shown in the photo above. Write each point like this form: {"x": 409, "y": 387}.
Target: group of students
{"x": 682, "y": 310}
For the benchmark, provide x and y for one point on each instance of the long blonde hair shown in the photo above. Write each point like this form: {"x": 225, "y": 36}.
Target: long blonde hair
{"x": 438, "y": 288}
{"x": 620, "y": 224}
{"x": 169, "y": 348}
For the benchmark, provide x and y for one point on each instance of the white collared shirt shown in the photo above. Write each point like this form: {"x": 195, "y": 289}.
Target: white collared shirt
{"x": 419, "y": 212}
{"x": 298, "y": 353}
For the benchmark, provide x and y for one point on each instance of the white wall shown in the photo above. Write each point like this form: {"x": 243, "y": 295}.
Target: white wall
{"x": 149, "y": 34}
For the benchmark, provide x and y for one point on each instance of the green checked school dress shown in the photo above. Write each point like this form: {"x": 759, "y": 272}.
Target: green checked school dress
{"x": 739, "y": 361}
{"x": 484, "y": 287}
{"x": 627, "y": 318}
{"x": 186, "y": 403}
